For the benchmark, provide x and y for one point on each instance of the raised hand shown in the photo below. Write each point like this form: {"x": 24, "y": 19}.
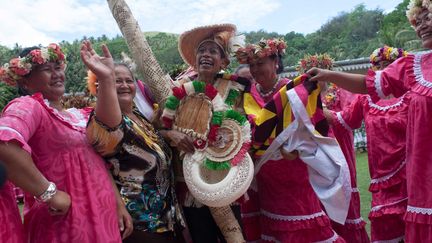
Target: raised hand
{"x": 102, "y": 66}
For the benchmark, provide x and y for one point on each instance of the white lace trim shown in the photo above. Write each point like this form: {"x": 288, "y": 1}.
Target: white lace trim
{"x": 395, "y": 240}
{"x": 387, "y": 177}
{"x": 250, "y": 215}
{"x": 384, "y": 108}
{"x": 418, "y": 70}
{"x": 342, "y": 121}
{"x": 377, "y": 83}
{"x": 378, "y": 207}
{"x": 11, "y": 130}
{"x": 418, "y": 210}
{"x": 82, "y": 122}
{"x": 354, "y": 221}
{"x": 355, "y": 189}
{"x": 291, "y": 218}
{"x": 329, "y": 240}
{"x": 269, "y": 238}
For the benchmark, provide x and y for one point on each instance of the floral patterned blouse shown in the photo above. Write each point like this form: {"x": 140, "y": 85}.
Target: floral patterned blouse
{"x": 140, "y": 162}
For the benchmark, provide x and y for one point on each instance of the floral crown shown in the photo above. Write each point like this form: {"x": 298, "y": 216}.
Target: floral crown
{"x": 386, "y": 53}
{"x": 323, "y": 61}
{"x": 21, "y": 66}
{"x": 264, "y": 48}
{"x": 415, "y": 7}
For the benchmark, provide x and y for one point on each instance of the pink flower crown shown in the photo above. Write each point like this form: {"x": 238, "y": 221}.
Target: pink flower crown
{"x": 21, "y": 66}
{"x": 264, "y": 48}
{"x": 323, "y": 61}
{"x": 386, "y": 53}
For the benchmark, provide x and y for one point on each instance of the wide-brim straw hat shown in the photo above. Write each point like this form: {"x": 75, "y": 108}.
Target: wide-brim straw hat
{"x": 189, "y": 40}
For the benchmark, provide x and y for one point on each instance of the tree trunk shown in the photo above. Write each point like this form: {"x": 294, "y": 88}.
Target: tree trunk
{"x": 159, "y": 83}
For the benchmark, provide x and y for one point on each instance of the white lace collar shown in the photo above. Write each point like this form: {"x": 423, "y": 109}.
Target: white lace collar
{"x": 418, "y": 70}
{"x": 387, "y": 107}
{"x": 79, "y": 120}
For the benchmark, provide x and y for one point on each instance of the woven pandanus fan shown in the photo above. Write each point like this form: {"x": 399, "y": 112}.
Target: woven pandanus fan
{"x": 153, "y": 75}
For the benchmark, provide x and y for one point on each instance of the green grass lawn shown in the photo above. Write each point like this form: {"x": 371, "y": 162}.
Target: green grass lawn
{"x": 363, "y": 180}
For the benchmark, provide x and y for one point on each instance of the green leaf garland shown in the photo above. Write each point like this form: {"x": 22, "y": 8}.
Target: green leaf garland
{"x": 235, "y": 115}
{"x": 231, "y": 97}
{"x": 198, "y": 86}
{"x": 212, "y": 165}
{"x": 172, "y": 102}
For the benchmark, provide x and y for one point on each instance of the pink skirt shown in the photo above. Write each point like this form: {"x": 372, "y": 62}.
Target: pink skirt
{"x": 389, "y": 227}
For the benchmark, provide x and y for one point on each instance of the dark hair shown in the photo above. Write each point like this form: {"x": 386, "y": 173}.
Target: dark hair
{"x": 280, "y": 63}
{"x": 27, "y": 50}
{"x": 21, "y": 90}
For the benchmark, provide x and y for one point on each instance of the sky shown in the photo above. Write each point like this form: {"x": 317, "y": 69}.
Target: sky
{"x": 33, "y": 22}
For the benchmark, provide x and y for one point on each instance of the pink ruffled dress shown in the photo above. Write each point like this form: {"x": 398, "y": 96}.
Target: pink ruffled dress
{"x": 285, "y": 208}
{"x": 413, "y": 73}
{"x": 58, "y": 145}
{"x": 354, "y": 229}
{"x": 12, "y": 229}
{"x": 385, "y": 123}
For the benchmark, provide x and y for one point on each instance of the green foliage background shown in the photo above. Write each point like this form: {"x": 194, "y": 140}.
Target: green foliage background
{"x": 346, "y": 36}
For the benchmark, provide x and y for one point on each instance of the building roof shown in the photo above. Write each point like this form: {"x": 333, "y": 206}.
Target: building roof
{"x": 349, "y": 65}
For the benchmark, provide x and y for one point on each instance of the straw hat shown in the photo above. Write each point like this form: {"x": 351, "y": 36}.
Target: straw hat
{"x": 190, "y": 40}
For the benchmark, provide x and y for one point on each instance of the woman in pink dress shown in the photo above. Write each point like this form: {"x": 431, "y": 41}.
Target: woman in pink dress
{"x": 70, "y": 196}
{"x": 335, "y": 99}
{"x": 12, "y": 229}
{"x": 385, "y": 128}
{"x": 285, "y": 207}
{"x": 385, "y": 123}
{"x": 412, "y": 73}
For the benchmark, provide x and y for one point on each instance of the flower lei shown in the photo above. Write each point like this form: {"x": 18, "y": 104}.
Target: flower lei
{"x": 218, "y": 116}
{"x": 264, "y": 48}
{"x": 386, "y": 53}
{"x": 20, "y": 66}
{"x": 323, "y": 61}
{"x": 331, "y": 96}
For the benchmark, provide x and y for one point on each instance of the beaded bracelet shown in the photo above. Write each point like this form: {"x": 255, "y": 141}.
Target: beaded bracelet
{"x": 47, "y": 194}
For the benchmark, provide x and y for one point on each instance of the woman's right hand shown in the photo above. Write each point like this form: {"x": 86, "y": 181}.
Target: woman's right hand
{"x": 180, "y": 140}
{"x": 60, "y": 203}
{"x": 318, "y": 74}
{"x": 101, "y": 66}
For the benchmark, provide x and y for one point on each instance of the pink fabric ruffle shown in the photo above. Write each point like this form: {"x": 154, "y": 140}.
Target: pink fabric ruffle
{"x": 10, "y": 136}
{"x": 420, "y": 71}
{"x": 418, "y": 218}
{"x": 370, "y": 85}
{"x": 398, "y": 177}
{"x": 390, "y": 228}
{"x": 399, "y": 208}
{"x": 288, "y": 225}
{"x": 353, "y": 233}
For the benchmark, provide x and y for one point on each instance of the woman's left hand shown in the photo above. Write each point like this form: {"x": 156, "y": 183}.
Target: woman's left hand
{"x": 124, "y": 220}
{"x": 289, "y": 155}
{"x": 101, "y": 66}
